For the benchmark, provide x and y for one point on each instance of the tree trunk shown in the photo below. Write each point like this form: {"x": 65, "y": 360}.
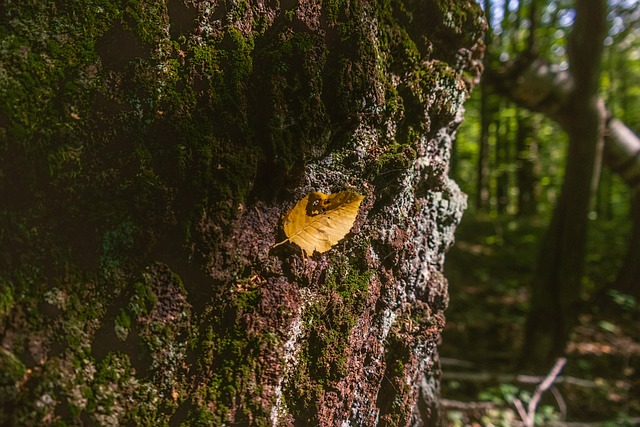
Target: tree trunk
{"x": 534, "y": 84}
{"x": 623, "y": 155}
{"x": 148, "y": 154}
{"x": 556, "y": 286}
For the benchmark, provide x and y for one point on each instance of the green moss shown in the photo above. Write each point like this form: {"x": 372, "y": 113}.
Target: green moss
{"x": 410, "y": 103}
{"x": 43, "y": 52}
{"x": 396, "y": 156}
{"x": 143, "y": 300}
{"x": 117, "y": 245}
{"x": 12, "y": 372}
{"x": 148, "y": 410}
{"x": 290, "y": 85}
{"x": 7, "y": 300}
{"x": 149, "y": 19}
{"x": 393, "y": 393}
{"x": 205, "y": 142}
{"x": 230, "y": 349}
{"x": 122, "y": 325}
{"x": 116, "y": 396}
{"x": 349, "y": 281}
{"x": 232, "y": 65}
{"x": 328, "y": 322}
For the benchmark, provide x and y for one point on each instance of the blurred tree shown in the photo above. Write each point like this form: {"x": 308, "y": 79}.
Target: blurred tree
{"x": 556, "y": 286}
{"x": 569, "y": 97}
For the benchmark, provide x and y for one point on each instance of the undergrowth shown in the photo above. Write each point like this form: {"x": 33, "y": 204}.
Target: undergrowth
{"x": 490, "y": 269}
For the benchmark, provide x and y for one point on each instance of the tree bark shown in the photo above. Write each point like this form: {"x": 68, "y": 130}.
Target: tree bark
{"x": 148, "y": 153}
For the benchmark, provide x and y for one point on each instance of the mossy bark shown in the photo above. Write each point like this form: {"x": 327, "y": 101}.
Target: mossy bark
{"x": 148, "y": 150}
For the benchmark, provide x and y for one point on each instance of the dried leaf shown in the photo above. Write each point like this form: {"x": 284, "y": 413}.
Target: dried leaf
{"x": 319, "y": 221}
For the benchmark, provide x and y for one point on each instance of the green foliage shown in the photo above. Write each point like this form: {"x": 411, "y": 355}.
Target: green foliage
{"x": 500, "y": 394}
{"x": 503, "y": 396}
{"x": 497, "y": 260}
{"x": 626, "y": 302}
{"x": 545, "y": 145}
{"x": 546, "y": 150}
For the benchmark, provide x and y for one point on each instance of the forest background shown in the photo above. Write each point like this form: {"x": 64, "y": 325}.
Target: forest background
{"x": 546, "y": 262}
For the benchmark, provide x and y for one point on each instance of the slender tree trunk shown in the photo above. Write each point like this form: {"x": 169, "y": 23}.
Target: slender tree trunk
{"x": 533, "y": 84}
{"x": 603, "y": 205}
{"x": 557, "y": 284}
{"x": 556, "y": 287}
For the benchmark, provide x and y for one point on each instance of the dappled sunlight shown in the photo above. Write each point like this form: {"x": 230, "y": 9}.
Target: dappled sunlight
{"x": 474, "y": 248}
{"x": 590, "y": 339}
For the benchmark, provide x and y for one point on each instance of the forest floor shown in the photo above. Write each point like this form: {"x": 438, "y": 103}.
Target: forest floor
{"x": 489, "y": 270}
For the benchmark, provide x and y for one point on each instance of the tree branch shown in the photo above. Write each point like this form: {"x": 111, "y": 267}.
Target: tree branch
{"x": 508, "y": 378}
{"x": 537, "y": 86}
{"x": 528, "y": 416}
{"x": 622, "y": 151}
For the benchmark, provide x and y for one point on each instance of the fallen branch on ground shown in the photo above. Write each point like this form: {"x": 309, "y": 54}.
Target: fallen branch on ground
{"x": 510, "y": 378}
{"x": 528, "y": 415}
{"x": 466, "y": 406}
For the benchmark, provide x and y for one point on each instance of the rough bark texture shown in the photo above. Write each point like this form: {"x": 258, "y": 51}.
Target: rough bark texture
{"x": 148, "y": 150}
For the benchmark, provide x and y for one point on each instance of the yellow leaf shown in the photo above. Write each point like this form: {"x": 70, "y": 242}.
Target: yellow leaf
{"x": 319, "y": 221}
